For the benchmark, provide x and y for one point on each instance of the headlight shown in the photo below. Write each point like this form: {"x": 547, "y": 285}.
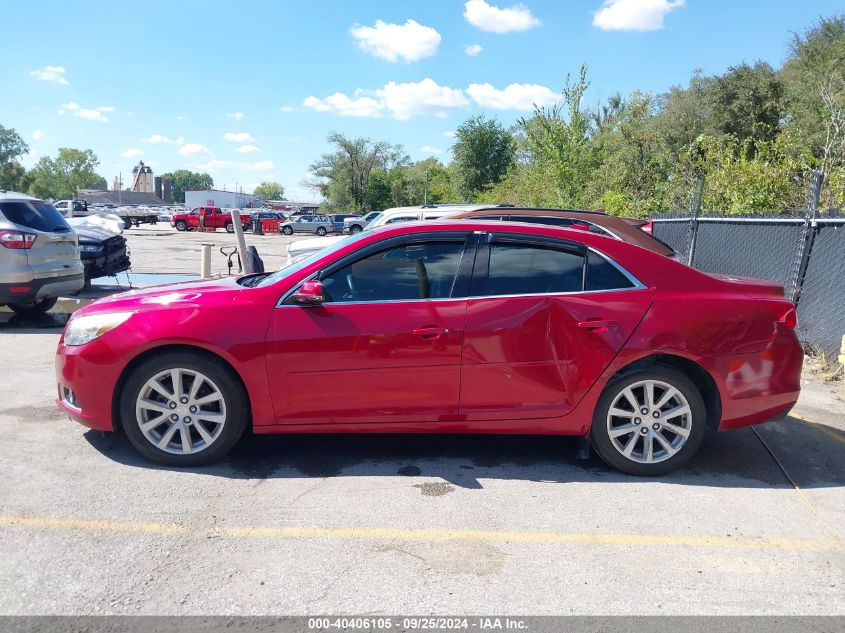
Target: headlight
{"x": 85, "y": 329}
{"x": 90, "y": 248}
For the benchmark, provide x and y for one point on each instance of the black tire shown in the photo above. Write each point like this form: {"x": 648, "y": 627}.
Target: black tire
{"x": 355, "y": 228}
{"x": 230, "y": 228}
{"x": 600, "y": 434}
{"x": 127, "y": 223}
{"x": 34, "y": 308}
{"x": 233, "y": 393}
{"x": 287, "y": 230}
{"x": 321, "y": 231}
{"x": 181, "y": 225}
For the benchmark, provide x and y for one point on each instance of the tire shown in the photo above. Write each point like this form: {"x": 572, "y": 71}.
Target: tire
{"x": 34, "y": 308}
{"x": 127, "y": 223}
{"x": 321, "y": 231}
{"x": 355, "y": 228}
{"x": 228, "y": 403}
{"x": 675, "y": 449}
{"x": 230, "y": 228}
{"x": 287, "y": 230}
{"x": 181, "y": 225}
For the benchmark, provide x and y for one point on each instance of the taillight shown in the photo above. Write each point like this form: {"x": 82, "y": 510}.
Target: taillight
{"x": 16, "y": 239}
{"x": 648, "y": 227}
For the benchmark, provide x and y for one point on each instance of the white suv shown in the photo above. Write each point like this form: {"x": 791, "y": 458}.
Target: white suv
{"x": 39, "y": 254}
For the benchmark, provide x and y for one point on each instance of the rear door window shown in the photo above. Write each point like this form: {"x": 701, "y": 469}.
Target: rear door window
{"x": 524, "y": 269}
{"x": 34, "y": 214}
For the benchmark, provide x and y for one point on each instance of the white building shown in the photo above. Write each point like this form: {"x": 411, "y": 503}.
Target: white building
{"x": 222, "y": 199}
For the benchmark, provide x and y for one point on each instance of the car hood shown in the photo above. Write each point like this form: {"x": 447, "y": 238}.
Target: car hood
{"x": 96, "y": 228}
{"x": 187, "y": 294}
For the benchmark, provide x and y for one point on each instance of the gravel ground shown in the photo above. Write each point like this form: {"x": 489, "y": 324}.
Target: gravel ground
{"x": 405, "y": 524}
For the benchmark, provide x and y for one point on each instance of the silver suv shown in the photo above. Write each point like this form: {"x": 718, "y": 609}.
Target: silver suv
{"x": 39, "y": 257}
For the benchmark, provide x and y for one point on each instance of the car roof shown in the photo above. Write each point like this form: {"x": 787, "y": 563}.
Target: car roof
{"x": 14, "y": 195}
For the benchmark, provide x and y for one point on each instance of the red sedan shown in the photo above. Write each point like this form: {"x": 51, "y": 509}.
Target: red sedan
{"x": 440, "y": 327}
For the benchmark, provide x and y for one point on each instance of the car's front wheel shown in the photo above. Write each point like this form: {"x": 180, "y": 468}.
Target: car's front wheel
{"x": 181, "y": 225}
{"x": 355, "y": 228}
{"x": 230, "y": 228}
{"x": 34, "y": 308}
{"x": 287, "y": 230}
{"x": 183, "y": 409}
{"x": 649, "y": 422}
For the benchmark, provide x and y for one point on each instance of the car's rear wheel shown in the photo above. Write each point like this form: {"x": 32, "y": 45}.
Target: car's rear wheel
{"x": 33, "y": 308}
{"x": 183, "y": 409}
{"x": 649, "y": 422}
{"x": 230, "y": 228}
{"x": 321, "y": 231}
{"x": 181, "y": 225}
{"x": 287, "y": 230}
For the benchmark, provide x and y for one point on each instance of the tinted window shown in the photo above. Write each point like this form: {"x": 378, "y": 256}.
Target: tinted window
{"x": 602, "y": 275}
{"x": 536, "y": 219}
{"x": 36, "y": 215}
{"x": 402, "y": 218}
{"x": 485, "y": 217}
{"x": 414, "y": 271}
{"x": 518, "y": 269}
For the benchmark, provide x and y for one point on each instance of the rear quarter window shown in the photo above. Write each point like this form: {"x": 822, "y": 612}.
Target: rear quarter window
{"x": 602, "y": 275}
{"x": 36, "y": 215}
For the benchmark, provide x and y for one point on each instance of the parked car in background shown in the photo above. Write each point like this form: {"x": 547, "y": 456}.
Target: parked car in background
{"x": 269, "y": 215}
{"x": 211, "y": 217}
{"x": 338, "y": 220}
{"x": 625, "y": 229}
{"x": 102, "y": 247}
{"x": 72, "y": 208}
{"x": 39, "y": 260}
{"x": 497, "y": 327}
{"x": 318, "y": 224}
{"x": 356, "y": 224}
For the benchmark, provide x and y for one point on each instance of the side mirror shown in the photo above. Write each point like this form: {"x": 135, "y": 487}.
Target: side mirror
{"x": 310, "y": 293}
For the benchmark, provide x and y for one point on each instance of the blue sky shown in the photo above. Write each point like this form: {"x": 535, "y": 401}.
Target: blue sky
{"x": 249, "y": 90}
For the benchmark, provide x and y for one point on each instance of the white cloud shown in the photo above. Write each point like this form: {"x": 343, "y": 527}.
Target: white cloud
{"x": 428, "y": 149}
{"x": 634, "y": 15}
{"x": 192, "y": 149}
{"x": 473, "y": 49}
{"x": 286, "y": 108}
{"x": 235, "y": 115}
{"x": 160, "y": 139}
{"x": 247, "y": 149}
{"x": 95, "y": 114}
{"x": 495, "y": 20}
{"x": 214, "y": 166}
{"x": 38, "y": 135}
{"x": 410, "y": 41}
{"x": 238, "y": 137}
{"x": 344, "y": 105}
{"x": 425, "y": 97}
{"x": 513, "y": 97}
{"x": 132, "y": 153}
{"x": 449, "y": 133}
{"x": 56, "y": 74}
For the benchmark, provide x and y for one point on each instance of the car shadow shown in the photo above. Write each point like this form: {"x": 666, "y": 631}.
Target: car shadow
{"x": 736, "y": 460}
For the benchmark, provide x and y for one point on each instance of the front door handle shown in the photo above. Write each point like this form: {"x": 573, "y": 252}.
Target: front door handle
{"x": 430, "y": 333}
{"x": 597, "y": 325}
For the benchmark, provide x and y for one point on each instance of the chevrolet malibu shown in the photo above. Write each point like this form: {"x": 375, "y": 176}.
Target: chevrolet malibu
{"x": 440, "y": 327}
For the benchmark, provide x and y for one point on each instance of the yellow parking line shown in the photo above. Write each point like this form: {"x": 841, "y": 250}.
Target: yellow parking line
{"x": 422, "y": 534}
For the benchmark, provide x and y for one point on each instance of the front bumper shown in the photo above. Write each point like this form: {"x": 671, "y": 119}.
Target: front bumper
{"x": 111, "y": 259}
{"x": 92, "y": 378}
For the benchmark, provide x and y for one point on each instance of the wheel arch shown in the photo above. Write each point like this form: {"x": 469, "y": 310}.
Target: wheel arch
{"x": 698, "y": 374}
{"x": 171, "y": 347}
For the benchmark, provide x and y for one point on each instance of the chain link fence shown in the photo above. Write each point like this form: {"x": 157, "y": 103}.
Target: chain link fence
{"x": 805, "y": 255}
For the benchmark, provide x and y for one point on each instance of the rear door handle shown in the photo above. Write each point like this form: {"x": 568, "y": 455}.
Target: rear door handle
{"x": 429, "y": 333}
{"x": 597, "y": 324}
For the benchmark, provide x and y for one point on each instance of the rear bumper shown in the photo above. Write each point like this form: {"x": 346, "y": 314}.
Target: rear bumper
{"x": 38, "y": 289}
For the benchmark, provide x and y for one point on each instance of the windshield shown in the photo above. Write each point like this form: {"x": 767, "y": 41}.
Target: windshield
{"x": 303, "y": 263}
{"x": 373, "y": 219}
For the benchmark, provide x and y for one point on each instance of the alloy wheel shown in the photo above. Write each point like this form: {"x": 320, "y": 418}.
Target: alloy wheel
{"x": 649, "y": 421}
{"x": 180, "y": 411}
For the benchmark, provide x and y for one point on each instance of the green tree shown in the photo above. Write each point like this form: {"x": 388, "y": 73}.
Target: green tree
{"x": 342, "y": 176}
{"x": 12, "y": 146}
{"x": 183, "y": 180}
{"x": 484, "y": 152}
{"x": 64, "y": 176}
{"x": 747, "y": 103}
{"x": 268, "y": 190}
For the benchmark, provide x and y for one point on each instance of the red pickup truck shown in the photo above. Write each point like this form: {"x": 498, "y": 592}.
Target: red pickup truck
{"x": 212, "y": 218}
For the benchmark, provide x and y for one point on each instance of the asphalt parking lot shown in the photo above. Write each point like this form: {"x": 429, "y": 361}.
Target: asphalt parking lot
{"x": 404, "y": 524}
